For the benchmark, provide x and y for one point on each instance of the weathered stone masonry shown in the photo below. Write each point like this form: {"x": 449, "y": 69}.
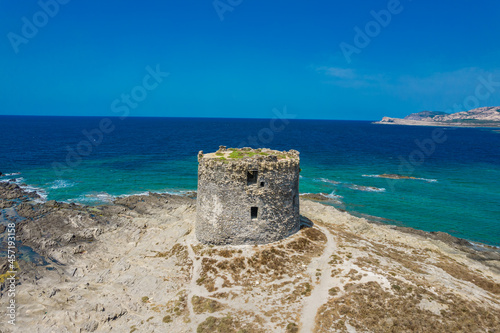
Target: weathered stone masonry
{"x": 247, "y": 196}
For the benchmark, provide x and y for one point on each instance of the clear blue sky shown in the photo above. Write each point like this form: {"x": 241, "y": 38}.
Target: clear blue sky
{"x": 262, "y": 55}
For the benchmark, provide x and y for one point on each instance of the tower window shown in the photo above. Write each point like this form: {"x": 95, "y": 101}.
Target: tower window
{"x": 262, "y": 184}
{"x": 253, "y": 212}
{"x": 252, "y": 177}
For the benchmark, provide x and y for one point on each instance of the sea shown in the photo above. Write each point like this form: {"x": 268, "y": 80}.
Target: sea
{"x": 453, "y": 182}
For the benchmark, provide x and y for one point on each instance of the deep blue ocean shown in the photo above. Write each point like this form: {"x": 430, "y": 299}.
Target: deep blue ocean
{"x": 90, "y": 160}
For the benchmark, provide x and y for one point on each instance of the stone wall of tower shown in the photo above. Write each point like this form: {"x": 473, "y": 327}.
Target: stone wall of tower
{"x": 247, "y": 201}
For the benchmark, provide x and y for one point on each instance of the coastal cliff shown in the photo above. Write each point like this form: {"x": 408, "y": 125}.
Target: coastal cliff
{"x": 136, "y": 266}
{"x": 480, "y": 117}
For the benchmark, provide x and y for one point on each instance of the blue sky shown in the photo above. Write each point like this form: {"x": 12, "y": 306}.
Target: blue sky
{"x": 85, "y": 56}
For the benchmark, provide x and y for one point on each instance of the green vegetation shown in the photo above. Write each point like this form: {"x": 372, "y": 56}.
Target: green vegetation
{"x": 396, "y": 287}
{"x": 307, "y": 291}
{"x": 167, "y": 319}
{"x": 8, "y": 275}
{"x": 145, "y": 299}
{"x": 333, "y": 291}
{"x": 219, "y": 154}
{"x": 212, "y": 324}
{"x": 292, "y": 328}
{"x": 241, "y": 154}
{"x": 202, "y": 304}
{"x": 227, "y": 324}
{"x": 236, "y": 154}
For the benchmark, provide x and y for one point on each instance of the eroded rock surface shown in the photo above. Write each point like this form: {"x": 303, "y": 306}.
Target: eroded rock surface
{"x": 136, "y": 266}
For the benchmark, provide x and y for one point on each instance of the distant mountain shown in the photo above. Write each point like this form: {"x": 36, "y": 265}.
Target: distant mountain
{"x": 424, "y": 115}
{"x": 480, "y": 117}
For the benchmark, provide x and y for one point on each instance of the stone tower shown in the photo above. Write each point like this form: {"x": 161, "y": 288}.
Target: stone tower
{"x": 247, "y": 196}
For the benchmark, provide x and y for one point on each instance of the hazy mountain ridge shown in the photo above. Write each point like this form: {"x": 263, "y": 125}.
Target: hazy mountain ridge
{"x": 484, "y": 116}
{"x": 425, "y": 115}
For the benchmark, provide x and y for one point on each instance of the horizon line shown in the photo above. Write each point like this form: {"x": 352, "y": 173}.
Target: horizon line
{"x": 176, "y": 117}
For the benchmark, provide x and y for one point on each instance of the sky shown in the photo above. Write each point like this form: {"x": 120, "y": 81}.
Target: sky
{"x": 316, "y": 59}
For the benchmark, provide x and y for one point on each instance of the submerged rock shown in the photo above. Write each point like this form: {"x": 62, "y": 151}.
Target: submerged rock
{"x": 395, "y": 176}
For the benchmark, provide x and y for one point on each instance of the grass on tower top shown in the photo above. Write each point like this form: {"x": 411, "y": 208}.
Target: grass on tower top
{"x": 241, "y": 154}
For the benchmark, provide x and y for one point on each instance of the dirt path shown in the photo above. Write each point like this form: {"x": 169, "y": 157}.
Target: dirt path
{"x": 319, "y": 295}
{"x": 192, "y": 288}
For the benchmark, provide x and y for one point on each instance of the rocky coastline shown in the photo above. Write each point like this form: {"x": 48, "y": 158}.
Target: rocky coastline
{"x": 135, "y": 265}
{"x": 487, "y": 117}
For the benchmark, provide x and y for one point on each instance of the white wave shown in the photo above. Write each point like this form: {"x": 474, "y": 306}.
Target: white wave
{"x": 325, "y": 180}
{"x": 93, "y": 198}
{"x": 104, "y": 197}
{"x": 61, "y": 183}
{"x": 28, "y": 188}
{"x": 482, "y": 247}
{"x": 176, "y": 192}
{"x": 19, "y": 180}
{"x": 11, "y": 174}
{"x": 170, "y": 191}
{"x": 334, "y": 196}
{"x": 365, "y": 188}
{"x": 129, "y": 195}
{"x": 40, "y": 191}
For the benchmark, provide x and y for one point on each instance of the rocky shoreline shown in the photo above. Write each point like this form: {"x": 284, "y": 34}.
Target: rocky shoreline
{"x": 398, "y": 121}
{"x": 485, "y": 117}
{"x": 135, "y": 265}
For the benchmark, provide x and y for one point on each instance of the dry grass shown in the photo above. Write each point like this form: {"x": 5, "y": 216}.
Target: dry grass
{"x": 278, "y": 272}
{"x": 202, "y": 305}
{"x": 368, "y": 307}
{"x": 228, "y": 324}
{"x": 178, "y": 307}
{"x": 463, "y": 273}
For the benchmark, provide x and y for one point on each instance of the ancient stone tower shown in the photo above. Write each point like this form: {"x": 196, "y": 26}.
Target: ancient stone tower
{"x": 247, "y": 196}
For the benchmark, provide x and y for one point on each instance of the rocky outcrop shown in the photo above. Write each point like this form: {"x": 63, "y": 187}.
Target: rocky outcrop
{"x": 145, "y": 271}
{"x": 480, "y": 117}
{"x": 395, "y": 176}
{"x": 12, "y": 191}
{"x": 425, "y": 115}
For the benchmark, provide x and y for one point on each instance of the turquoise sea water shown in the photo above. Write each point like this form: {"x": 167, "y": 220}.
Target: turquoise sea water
{"x": 457, "y": 190}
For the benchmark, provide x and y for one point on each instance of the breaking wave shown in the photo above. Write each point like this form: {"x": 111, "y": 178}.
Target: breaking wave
{"x": 365, "y": 188}
{"x": 61, "y": 183}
